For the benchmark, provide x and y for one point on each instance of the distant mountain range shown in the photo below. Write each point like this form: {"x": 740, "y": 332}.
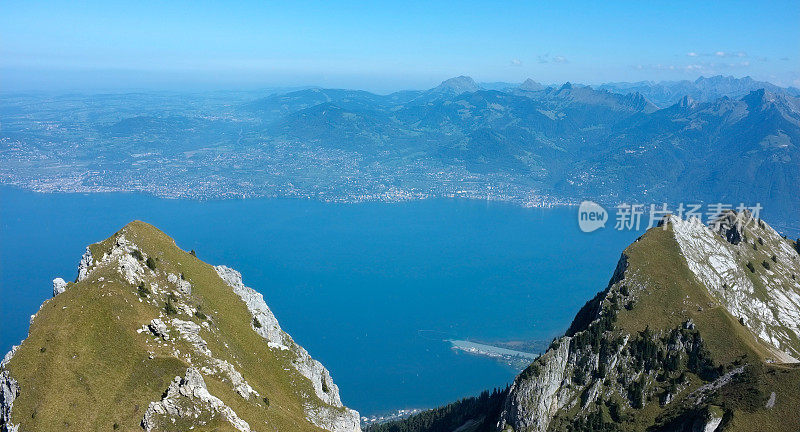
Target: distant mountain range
{"x": 710, "y": 140}
{"x": 574, "y": 141}
{"x": 703, "y": 89}
{"x": 666, "y": 93}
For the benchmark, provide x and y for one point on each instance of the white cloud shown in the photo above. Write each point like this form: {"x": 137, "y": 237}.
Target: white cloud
{"x": 701, "y": 67}
{"x": 516, "y": 62}
{"x": 546, "y": 58}
{"x": 722, "y": 54}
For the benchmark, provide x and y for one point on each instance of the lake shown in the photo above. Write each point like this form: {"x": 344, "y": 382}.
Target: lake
{"x": 372, "y": 290}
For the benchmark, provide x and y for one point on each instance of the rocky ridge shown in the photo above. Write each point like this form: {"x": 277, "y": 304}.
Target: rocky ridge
{"x": 696, "y": 331}
{"x": 602, "y": 375}
{"x": 188, "y": 398}
{"x": 343, "y": 419}
{"x": 211, "y": 379}
{"x": 719, "y": 256}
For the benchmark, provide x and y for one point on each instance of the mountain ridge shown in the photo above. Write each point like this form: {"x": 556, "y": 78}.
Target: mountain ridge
{"x": 705, "y": 89}
{"x": 457, "y": 85}
{"x": 696, "y": 331}
{"x": 552, "y": 146}
{"x": 149, "y": 337}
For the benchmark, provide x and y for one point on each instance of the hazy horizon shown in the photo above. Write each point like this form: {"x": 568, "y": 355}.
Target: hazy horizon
{"x": 113, "y": 46}
{"x": 163, "y": 87}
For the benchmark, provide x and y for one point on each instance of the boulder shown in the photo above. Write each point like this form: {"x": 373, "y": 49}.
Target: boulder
{"x": 59, "y": 286}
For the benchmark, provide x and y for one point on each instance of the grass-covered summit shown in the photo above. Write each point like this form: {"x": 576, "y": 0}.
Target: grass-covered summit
{"x": 150, "y": 337}
{"x": 698, "y": 330}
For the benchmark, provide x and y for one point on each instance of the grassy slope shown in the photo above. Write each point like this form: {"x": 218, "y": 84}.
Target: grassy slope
{"x": 667, "y": 294}
{"x": 672, "y": 295}
{"x": 84, "y": 366}
{"x": 784, "y": 416}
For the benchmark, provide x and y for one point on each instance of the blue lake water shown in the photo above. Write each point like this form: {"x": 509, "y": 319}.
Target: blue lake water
{"x": 372, "y": 290}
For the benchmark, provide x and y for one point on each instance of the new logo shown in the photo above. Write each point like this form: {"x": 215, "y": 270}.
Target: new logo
{"x": 591, "y": 216}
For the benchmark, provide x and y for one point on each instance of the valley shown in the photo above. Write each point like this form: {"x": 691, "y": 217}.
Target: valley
{"x": 400, "y": 216}
{"x": 356, "y": 270}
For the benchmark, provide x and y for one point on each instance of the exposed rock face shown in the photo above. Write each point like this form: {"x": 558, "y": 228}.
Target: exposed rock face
{"x": 720, "y": 265}
{"x": 184, "y": 287}
{"x": 158, "y": 328}
{"x": 188, "y": 398}
{"x": 712, "y": 423}
{"x": 190, "y": 332}
{"x": 85, "y": 264}
{"x": 532, "y": 403}
{"x": 9, "y": 389}
{"x": 730, "y": 225}
{"x": 270, "y": 329}
{"x": 130, "y": 268}
{"x": 8, "y": 356}
{"x": 705, "y": 421}
{"x": 120, "y": 254}
{"x": 338, "y": 418}
{"x": 579, "y": 372}
{"x": 343, "y": 420}
{"x": 59, "y": 286}
{"x": 771, "y": 401}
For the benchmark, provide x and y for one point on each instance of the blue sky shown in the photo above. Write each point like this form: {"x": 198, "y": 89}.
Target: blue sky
{"x": 384, "y": 46}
